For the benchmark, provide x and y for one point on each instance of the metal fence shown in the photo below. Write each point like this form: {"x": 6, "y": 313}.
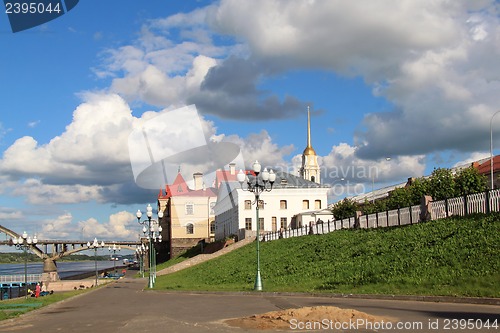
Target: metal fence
{"x": 484, "y": 202}
{"x": 19, "y": 278}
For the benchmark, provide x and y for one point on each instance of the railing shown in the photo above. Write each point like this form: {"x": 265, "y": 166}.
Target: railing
{"x": 484, "y": 202}
{"x": 19, "y": 278}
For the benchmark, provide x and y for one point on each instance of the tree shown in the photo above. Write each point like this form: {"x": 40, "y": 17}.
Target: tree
{"x": 442, "y": 184}
{"x": 469, "y": 181}
{"x": 400, "y": 197}
{"x": 344, "y": 209}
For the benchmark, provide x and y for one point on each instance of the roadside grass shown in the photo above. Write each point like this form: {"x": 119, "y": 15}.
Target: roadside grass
{"x": 458, "y": 256}
{"x": 15, "y": 307}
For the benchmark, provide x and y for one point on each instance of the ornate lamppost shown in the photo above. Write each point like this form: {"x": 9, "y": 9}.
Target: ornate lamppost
{"x": 152, "y": 229}
{"x": 140, "y": 251}
{"x": 114, "y": 249}
{"x": 95, "y": 245}
{"x": 257, "y": 186}
{"x": 25, "y": 242}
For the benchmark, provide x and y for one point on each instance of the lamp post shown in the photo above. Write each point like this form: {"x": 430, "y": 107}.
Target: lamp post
{"x": 140, "y": 250}
{"x": 114, "y": 249}
{"x": 256, "y": 187}
{"x": 25, "y": 242}
{"x": 151, "y": 228}
{"x": 95, "y": 245}
{"x": 491, "y": 149}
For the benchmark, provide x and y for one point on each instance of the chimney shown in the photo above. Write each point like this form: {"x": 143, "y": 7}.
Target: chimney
{"x": 198, "y": 181}
{"x": 232, "y": 168}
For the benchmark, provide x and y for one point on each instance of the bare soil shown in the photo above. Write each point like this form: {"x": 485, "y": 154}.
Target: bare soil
{"x": 307, "y": 318}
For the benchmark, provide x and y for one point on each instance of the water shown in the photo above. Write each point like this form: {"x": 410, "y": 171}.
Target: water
{"x": 65, "y": 269}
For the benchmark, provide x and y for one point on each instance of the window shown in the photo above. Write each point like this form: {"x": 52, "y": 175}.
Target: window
{"x": 273, "y": 221}
{"x": 189, "y": 229}
{"x": 212, "y": 227}
{"x": 189, "y": 209}
{"x": 317, "y": 204}
{"x": 261, "y": 204}
{"x": 179, "y": 188}
{"x": 283, "y": 223}
{"x": 261, "y": 223}
{"x": 305, "y": 204}
{"x": 282, "y": 204}
{"x": 248, "y": 223}
{"x": 313, "y": 179}
{"x": 248, "y": 204}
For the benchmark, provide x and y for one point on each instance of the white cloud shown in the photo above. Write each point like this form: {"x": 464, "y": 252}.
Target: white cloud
{"x": 119, "y": 227}
{"x": 59, "y": 228}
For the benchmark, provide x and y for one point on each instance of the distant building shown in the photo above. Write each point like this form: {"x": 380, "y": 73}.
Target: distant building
{"x": 236, "y": 214}
{"x": 188, "y": 213}
{"x": 310, "y": 168}
{"x": 484, "y": 167}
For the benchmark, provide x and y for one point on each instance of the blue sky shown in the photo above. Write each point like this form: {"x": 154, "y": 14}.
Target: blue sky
{"x": 416, "y": 81}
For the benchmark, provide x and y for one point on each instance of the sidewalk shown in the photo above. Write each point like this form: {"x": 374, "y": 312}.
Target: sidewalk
{"x": 124, "y": 306}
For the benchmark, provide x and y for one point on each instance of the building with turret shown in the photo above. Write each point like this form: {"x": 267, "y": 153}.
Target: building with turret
{"x": 310, "y": 168}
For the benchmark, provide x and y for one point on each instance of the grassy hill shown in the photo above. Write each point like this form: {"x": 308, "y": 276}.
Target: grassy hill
{"x": 455, "y": 256}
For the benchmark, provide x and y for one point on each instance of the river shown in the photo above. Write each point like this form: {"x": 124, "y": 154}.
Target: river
{"x": 64, "y": 268}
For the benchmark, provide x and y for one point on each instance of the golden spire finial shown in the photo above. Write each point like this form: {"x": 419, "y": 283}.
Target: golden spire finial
{"x": 309, "y": 149}
{"x": 308, "y": 128}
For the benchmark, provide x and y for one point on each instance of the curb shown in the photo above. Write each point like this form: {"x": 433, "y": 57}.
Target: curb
{"x": 414, "y": 298}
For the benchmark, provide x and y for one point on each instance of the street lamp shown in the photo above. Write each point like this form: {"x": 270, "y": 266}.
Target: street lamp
{"x": 25, "y": 242}
{"x": 491, "y": 148}
{"x": 152, "y": 229}
{"x": 256, "y": 187}
{"x": 140, "y": 251}
{"x": 95, "y": 245}
{"x": 114, "y": 249}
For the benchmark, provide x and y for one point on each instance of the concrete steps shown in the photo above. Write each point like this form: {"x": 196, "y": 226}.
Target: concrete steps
{"x": 204, "y": 257}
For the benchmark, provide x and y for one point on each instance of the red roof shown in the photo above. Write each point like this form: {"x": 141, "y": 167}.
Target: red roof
{"x": 180, "y": 188}
{"x": 485, "y": 167}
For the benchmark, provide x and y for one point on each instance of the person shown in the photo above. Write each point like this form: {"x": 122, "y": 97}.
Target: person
{"x": 37, "y": 290}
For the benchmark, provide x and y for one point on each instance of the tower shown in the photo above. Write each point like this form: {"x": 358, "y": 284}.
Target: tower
{"x": 310, "y": 167}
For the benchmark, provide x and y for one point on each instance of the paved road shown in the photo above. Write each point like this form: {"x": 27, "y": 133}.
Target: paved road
{"x": 124, "y": 306}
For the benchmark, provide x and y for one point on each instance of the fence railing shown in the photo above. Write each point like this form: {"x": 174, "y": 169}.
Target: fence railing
{"x": 19, "y": 278}
{"x": 484, "y": 202}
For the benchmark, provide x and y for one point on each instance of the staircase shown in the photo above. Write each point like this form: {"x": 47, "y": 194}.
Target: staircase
{"x": 204, "y": 257}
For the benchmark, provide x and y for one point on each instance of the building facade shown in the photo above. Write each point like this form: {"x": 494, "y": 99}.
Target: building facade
{"x": 188, "y": 213}
{"x": 236, "y": 214}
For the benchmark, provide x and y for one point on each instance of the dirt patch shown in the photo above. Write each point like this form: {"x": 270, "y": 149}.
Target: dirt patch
{"x": 308, "y": 318}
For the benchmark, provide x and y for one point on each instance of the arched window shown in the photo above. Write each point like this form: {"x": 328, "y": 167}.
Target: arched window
{"x": 189, "y": 229}
{"x": 313, "y": 179}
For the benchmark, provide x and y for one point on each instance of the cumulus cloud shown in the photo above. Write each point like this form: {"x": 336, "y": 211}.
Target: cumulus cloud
{"x": 119, "y": 227}
{"x": 434, "y": 61}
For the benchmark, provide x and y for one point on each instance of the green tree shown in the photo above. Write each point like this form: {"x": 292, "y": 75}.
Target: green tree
{"x": 469, "y": 181}
{"x": 418, "y": 188}
{"x": 400, "y": 197}
{"x": 442, "y": 184}
{"x": 344, "y": 209}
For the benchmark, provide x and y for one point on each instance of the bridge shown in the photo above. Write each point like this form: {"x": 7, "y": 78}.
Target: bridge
{"x": 52, "y": 250}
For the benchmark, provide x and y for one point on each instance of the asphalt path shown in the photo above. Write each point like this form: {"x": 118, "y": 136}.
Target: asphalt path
{"x": 125, "y": 306}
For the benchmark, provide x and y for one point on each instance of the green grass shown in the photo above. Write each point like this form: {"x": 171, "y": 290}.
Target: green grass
{"x": 453, "y": 257}
{"x": 15, "y": 307}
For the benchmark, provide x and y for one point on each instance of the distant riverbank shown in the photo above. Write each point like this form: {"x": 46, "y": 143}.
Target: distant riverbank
{"x": 66, "y": 269}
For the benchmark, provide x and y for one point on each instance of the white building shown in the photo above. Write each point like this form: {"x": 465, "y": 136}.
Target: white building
{"x": 235, "y": 212}
{"x": 281, "y": 208}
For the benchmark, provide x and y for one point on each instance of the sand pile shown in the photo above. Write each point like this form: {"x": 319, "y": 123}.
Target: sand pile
{"x": 309, "y": 318}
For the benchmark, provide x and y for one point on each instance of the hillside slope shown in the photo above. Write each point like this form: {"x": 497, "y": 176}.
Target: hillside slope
{"x": 455, "y": 256}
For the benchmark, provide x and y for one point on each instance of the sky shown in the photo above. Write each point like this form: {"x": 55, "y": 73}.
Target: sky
{"x": 397, "y": 87}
